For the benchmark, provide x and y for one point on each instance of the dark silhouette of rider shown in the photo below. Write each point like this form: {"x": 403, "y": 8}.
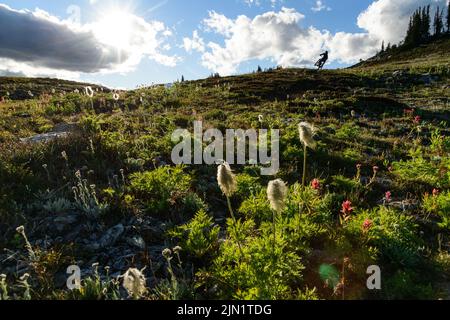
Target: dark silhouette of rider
{"x": 322, "y": 60}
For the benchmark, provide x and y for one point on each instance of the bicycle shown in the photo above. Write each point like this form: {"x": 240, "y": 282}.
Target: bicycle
{"x": 320, "y": 63}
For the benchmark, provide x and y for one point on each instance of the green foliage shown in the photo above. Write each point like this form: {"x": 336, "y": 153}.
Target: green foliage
{"x": 160, "y": 189}
{"x": 348, "y": 131}
{"x": 427, "y": 165}
{"x": 257, "y": 270}
{"x": 199, "y": 237}
{"x": 439, "y": 205}
{"x": 393, "y": 234}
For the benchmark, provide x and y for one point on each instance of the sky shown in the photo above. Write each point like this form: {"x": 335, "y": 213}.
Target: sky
{"x": 128, "y": 43}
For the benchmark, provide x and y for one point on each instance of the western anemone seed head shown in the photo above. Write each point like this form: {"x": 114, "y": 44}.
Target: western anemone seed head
{"x": 25, "y": 277}
{"x": 307, "y": 133}
{"x": 260, "y": 118}
{"x": 276, "y": 193}
{"x": 116, "y": 96}
{"x": 20, "y": 229}
{"x": 177, "y": 249}
{"x": 226, "y": 179}
{"x": 89, "y": 92}
{"x": 134, "y": 282}
{"x": 167, "y": 253}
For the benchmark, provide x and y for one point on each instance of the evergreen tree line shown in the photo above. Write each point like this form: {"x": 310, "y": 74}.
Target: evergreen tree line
{"x": 421, "y": 28}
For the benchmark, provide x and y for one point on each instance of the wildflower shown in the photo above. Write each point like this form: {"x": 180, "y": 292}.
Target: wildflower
{"x": 25, "y": 277}
{"x": 177, "y": 249}
{"x": 276, "y": 193}
{"x": 367, "y": 225}
{"x": 261, "y": 118}
{"x": 347, "y": 207}
{"x": 376, "y": 169}
{"x": 307, "y": 133}
{"x": 116, "y": 96}
{"x": 417, "y": 120}
{"x": 30, "y": 93}
{"x": 167, "y": 253}
{"x": 76, "y": 91}
{"x": 353, "y": 113}
{"x": 315, "y": 184}
{"x": 347, "y": 210}
{"x": 228, "y": 185}
{"x": 20, "y": 229}
{"x": 435, "y": 192}
{"x": 134, "y": 282}
{"x": 388, "y": 196}
{"x": 226, "y": 179}
{"x": 89, "y": 92}
{"x": 64, "y": 155}
{"x": 359, "y": 166}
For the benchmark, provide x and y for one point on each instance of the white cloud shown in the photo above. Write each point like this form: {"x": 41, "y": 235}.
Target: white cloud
{"x": 320, "y": 6}
{"x": 218, "y": 23}
{"x": 257, "y": 3}
{"x": 9, "y": 67}
{"x": 194, "y": 44}
{"x": 388, "y": 19}
{"x": 66, "y": 48}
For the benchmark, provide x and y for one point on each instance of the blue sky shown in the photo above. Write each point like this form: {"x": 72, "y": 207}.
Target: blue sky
{"x": 336, "y": 28}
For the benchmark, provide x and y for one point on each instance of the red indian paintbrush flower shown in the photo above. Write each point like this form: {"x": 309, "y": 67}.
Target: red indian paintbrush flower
{"x": 315, "y": 184}
{"x": 367, "y": 225}
{"x": 347, "y": 207}
{"x": 388, "y": 196}
{"x": 417, "y": 119}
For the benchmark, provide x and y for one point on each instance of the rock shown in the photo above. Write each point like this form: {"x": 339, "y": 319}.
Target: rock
{"x": 111, "y": 236}
{"x": 136, "y": 241}
{"x": 62, "y": 222}
{"x": 65, "y": 127}
{"x": 46, "y": 137}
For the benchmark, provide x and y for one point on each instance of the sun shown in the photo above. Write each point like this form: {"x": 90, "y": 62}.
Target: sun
{"x": 115, "y": 28}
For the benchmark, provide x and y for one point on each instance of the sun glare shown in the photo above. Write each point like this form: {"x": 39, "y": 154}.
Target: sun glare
{"x": 115, "y": 28}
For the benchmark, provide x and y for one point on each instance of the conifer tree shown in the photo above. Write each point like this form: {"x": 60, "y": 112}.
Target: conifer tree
{"x": 448, "y": 17}
{"x": 438, "y": 22}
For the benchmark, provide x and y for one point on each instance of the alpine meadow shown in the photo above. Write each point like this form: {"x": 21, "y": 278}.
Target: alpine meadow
{"x": 289, "y": 182}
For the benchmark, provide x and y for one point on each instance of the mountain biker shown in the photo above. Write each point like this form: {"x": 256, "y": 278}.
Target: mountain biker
{"x": 322, "y": 60}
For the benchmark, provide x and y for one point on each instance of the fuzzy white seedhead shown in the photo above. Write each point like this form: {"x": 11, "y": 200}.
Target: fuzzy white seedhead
{"x": 307, "y": 132}
{"x": 89, "y": 92}
{"x": 134, "y": 282}
{"x": 277, "y": 193}
{"x": 226, "y": 179}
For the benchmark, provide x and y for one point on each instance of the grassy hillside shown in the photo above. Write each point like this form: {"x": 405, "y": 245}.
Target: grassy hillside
{"x": 92, "y": 183}
{"x": 429, "y": 57}
{"x": 16, "y": 88}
